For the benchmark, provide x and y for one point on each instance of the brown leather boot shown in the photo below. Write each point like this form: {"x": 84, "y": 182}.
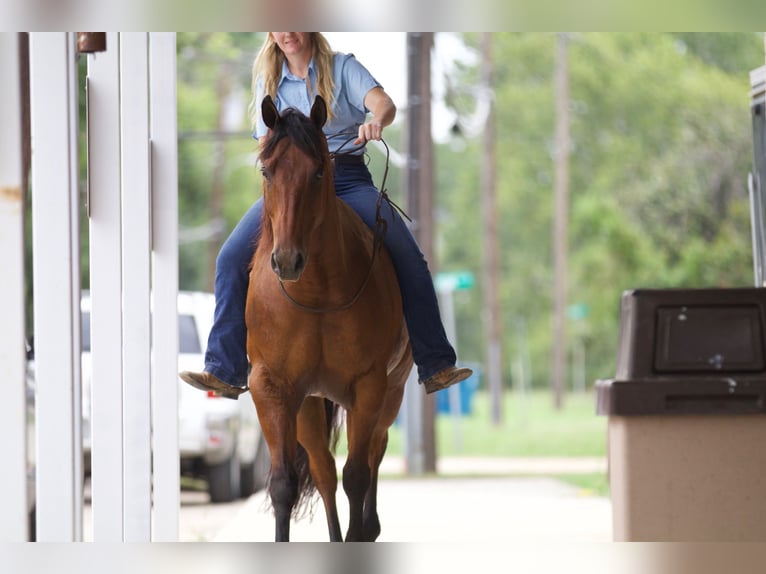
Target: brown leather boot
{"x": 207, "y": 382}
{"x": 446, "y": 378}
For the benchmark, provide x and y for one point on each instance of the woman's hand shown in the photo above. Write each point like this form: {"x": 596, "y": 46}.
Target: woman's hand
{"x": 370, "y": 131}
{"x": 383, "y": 112}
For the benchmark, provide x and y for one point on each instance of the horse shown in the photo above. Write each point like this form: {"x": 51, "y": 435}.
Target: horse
{"x": 325, "y": 331}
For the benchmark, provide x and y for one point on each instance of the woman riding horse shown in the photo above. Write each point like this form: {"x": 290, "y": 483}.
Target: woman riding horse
{"x": 291, "y": 68}
{"x": 324, "y": 325}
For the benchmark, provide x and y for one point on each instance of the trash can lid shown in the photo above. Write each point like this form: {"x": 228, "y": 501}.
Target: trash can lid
{"x": 680, "y": 396}
{"x": 692, "y": 332}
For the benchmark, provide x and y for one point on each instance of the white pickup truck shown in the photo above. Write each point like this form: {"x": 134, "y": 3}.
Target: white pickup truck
{"x": 219, "y": 439}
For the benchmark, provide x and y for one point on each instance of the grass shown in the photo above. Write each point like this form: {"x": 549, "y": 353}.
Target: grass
{"x": 531, "y": 427}
{"x": 596, "y": 484}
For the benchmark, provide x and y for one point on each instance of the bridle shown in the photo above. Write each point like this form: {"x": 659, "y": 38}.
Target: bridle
{"x": 379, "y": 232}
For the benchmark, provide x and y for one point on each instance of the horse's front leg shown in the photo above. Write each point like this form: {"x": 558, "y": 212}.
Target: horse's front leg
{"x": 314, "y": 435}
{"x": 283, "y": 489}
{"x": 393, "y": 401}
{"x": 278, "y": 425}
{"x": 371, "y": 521}
{"x": 360, "y": 424}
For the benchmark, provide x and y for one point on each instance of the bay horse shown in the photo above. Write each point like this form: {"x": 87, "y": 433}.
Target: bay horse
{"x": 324, "y": 330}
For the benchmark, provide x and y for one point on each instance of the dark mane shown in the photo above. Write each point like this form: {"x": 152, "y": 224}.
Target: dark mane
{"x": 301, "y": 131}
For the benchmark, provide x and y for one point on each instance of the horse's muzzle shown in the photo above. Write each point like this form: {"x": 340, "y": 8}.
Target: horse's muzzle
{"x": 288, "y": 264}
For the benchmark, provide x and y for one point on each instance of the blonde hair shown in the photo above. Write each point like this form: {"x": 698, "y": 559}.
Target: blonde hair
{"x": 268, "y": 67}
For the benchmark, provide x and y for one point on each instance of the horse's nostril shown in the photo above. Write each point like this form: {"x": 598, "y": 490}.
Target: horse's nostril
{"x": 288, "y": 265}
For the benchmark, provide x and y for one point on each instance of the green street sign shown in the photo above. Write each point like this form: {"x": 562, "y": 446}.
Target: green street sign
{"x": 453, "y": 281}
{"x": 577, "y": 311}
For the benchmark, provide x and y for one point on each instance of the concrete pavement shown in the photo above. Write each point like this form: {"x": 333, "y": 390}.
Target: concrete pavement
{"x": 497, "y": 500}
{"x": 495, "y": 466}
{"x": 473, "y": 500}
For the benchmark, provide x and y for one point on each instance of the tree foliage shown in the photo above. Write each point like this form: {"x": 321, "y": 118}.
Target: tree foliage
{"x": 660, "y": 151}
{"x": 209, "y": 63}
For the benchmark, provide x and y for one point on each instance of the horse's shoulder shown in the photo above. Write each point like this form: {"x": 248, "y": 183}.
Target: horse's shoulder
{"x": 352, "y": 223}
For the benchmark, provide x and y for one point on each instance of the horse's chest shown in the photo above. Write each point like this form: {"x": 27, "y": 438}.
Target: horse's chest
{"x": 313, "y": 342}
{"x": 315, "y": 335}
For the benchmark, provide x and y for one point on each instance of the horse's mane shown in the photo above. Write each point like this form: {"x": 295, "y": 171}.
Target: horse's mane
{"x": 301, "y": 131}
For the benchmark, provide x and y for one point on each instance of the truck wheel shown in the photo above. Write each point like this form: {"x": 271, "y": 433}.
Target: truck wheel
{"x": 255, "y": 476}
{"x": 223, "y": 480}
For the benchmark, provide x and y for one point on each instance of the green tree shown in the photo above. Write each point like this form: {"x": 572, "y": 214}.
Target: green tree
{"x": 205, "y": 60}
{"x": 661, "y": 147}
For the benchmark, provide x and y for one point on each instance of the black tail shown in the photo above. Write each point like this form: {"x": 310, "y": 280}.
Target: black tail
{"x": 306, "y": 486}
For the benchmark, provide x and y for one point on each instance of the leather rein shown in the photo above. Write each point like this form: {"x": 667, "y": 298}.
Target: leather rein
{"x": 381, "y": 226}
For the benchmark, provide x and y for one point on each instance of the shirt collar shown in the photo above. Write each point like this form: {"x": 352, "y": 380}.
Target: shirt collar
{"x": 286, "y": 74}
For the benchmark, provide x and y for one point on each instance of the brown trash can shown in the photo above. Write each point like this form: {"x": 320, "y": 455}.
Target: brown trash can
{"x": 686, "y": 416}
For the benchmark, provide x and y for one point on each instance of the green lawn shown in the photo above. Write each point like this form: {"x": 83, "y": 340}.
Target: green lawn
{"x": 596, "y": 484}
{"x": 531, "y": 427}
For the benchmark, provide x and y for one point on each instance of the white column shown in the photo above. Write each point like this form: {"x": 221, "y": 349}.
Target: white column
{"x": 106, "y": 292}
{"x": 412, "y": 406}
{"x": 53, "y": 82}
{"x": 447, "y": 306}
{"x": 136, "y": 335}
{"x": 162, "y": 58}
{"x": 13, "y": 521}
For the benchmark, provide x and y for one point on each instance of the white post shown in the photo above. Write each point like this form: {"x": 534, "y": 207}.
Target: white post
{"x": 414, "y": 445}
{"x": 53, "y": 83}
{"x": 136, "y": 334}
{"x": 13, "y": 519}
{"x": 164, "y": 159}
{"x": 447, "y": 305}
{"x": 105, "y": 292}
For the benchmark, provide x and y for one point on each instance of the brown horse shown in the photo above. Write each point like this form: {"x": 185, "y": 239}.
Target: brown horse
{"x": 324, "y": 327}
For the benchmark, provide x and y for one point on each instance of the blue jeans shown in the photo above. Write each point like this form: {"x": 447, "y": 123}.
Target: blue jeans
{"x": 226, "y": 356}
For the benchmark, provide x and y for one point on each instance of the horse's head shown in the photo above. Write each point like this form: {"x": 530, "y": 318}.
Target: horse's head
{"x": 297, "y": 172}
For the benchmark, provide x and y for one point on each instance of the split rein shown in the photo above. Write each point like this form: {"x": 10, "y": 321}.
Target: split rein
{"x": 381, "y": 226}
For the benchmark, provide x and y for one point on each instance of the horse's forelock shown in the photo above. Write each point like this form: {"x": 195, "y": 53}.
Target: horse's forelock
{"x": 301, "y": 131}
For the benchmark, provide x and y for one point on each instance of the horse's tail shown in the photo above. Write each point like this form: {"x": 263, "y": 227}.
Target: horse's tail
{"x": 306, "y": 486}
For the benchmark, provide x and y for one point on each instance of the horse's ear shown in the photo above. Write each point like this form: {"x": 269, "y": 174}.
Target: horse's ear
{"x": 269, "y": 112}
{"x": 319, "y": 112}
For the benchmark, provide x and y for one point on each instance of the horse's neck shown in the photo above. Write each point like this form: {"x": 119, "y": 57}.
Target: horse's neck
{"x": 329, "y": 246}
{"x": 335, "y": 251}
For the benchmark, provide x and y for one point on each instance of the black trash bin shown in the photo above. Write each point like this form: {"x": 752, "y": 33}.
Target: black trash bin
{"x": 686, "y": 424}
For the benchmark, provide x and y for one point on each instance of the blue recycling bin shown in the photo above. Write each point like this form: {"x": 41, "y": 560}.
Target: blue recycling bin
{"x": 467, "y": 389}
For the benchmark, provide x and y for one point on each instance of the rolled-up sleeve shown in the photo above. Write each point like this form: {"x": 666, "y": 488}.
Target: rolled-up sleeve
{"x": 357, "y": 81}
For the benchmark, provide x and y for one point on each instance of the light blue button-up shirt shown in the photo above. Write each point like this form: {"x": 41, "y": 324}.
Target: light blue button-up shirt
{"x": 352, "y": 82}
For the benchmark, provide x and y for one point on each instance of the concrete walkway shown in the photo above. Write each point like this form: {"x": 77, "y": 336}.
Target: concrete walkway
{"x": 499, "y": 466}
{"x": 473, "y": 500}
{"x": 496, "y": 500}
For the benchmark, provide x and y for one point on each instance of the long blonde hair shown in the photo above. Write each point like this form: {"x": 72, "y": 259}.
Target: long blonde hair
{"x": 268, "y": 67}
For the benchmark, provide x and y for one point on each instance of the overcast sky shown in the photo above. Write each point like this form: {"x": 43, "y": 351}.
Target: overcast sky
{"x": 384, "y": 54}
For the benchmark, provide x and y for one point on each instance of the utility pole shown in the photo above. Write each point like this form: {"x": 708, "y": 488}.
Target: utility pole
{"x": 421, "y": 456}
{"x": 223, "y": 87}
{"x": 491, "y": 311}
{"x": 560, "y": 225}
{"x": 26, "y": 164}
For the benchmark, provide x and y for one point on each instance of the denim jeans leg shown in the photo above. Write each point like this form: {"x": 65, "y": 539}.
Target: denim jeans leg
{"x": 431, "y": 349}
{"x": 226, "y": 355}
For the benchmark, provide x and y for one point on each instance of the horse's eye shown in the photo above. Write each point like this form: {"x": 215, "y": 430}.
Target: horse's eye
{"x": 319, "y": 174}
{"x": 265, "y": 173}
